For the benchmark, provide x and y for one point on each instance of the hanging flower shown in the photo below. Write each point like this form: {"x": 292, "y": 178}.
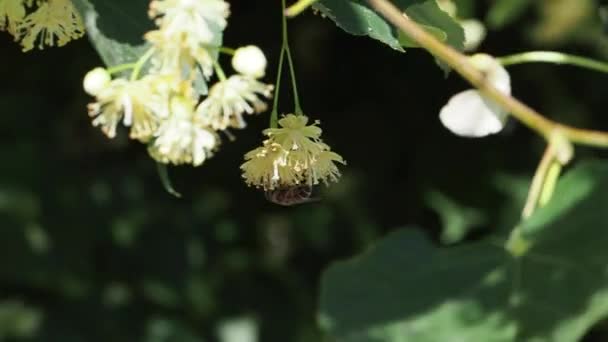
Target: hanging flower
{"x": 181, "y": 139}
{"x": 296, "y": 135}
{"x": 468, "y": 113}
{"x": 228, "y": 100}
{"x": 139, "y": 104}
{"x": 54, "y": 22}
{"x": 293, "y": 154}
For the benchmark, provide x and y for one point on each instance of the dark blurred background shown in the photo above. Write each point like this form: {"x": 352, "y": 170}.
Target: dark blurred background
{"x": 92, "y": 247}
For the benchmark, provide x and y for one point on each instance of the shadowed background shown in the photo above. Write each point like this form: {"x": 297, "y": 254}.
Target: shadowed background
{"x": 94, "y": 249}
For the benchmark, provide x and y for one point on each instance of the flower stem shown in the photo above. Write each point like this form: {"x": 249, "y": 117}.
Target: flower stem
{"x": 218, "y": 70}
{"x": 140, "y": 64}
{"x": 551, "y": 178}
{"x": 228, "y": 51}
{"x": 460, "y": 63}
{"x": 274, "y": 114}
{"x": 553, "y": 57}
{"x": 121, "y": 67}
{"x": 536, "y": 188}
{"x": 298, "y": 7}
{"x": 296, "y": 98}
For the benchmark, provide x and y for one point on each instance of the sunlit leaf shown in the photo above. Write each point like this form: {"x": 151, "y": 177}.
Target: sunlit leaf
{"x": 406, "y": 289}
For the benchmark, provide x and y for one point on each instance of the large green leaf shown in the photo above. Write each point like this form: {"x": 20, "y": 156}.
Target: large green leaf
{"x": 355, "y": 17}
{"x": 116, "y": 28}
{"x": 407, "y": 289}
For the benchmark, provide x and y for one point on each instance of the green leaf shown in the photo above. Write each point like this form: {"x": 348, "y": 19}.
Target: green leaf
{"x": 504, "y": 12}
{"x": 457, "y": 220}
{"x": 428, "y": 13}
{"x": 116, "y": 28}
{"x": 356, "y": 18}
{"x": 407, "y": 289}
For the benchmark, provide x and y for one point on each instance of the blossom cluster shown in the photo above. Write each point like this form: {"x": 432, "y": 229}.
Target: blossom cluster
{"x": 167, "y": 108}
{"x": 293, "y": 154}
{"x": 41, "y": 22}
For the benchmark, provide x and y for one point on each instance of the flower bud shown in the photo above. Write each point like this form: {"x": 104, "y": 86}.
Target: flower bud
{"x": 468, "y": 113}
{"x": 249, "y": 61}
{"x": 96, "y": 80}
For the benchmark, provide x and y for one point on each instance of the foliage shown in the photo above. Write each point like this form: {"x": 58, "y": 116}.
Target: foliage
{"x": 94, "y": 249}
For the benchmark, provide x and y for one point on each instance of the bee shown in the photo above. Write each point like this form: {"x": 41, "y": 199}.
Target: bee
{"x": 291, "y": 195}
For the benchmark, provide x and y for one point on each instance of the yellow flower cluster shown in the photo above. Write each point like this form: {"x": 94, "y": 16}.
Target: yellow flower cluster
{"x": 167, "y": 108}
{"x": 41, "y": 22}
{"x": 293, "y": 154}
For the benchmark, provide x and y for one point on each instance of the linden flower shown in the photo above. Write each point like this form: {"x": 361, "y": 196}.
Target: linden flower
{"x": 468, "y": 113}
{"x": 11, "y": 14}
{"x": 181, "y": 139}
{"x": 266, "y": 167}
{"x": 201, "y": 19}
{"x": 295, "y": 134}
{"x": 179, "y": 55}
{"x": 229, "y": 99}
{"x": 249, "y": 60}
{"x": 188, "y": 35}
{"x": 139, "y": 104}
{"x": 54, "y": 22}
{"x": 292, "y": 155}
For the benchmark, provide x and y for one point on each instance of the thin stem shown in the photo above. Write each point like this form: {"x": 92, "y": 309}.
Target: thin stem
{"x": 536, "y": 188}
{"x": 228, "y": 51}
{"x": 140, "y": 64}
{"x": 296, "y": 98}
{"x": 121, "y": 67}
{"x": 461, "y": 64}
{"x": 163, "y": 173}
{"x": 298, "y": 7}
{"x": 554, "y": 57}
{"x": 274, "y": 115}
{"x": 550, "y": 182}
{"x": 218, "y": 70}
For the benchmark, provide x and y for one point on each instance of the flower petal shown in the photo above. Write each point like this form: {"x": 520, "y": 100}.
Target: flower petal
{"x": 468, "y": 114}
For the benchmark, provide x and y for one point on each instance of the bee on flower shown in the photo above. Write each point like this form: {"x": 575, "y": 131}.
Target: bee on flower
{"x": 293, "y": 155}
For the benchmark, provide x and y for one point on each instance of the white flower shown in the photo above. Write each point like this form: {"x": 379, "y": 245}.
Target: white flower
{"x": 229, "y": 99}
{"x": 181, "y": 139}
{"x": 189, "y": 33}
{"x": 249, "y": 61}
{"x": 203, "y": 20}
{"x": 468, "y": 113}
{"x": 140, "y": 104}
{"x": 96, "y": 80}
